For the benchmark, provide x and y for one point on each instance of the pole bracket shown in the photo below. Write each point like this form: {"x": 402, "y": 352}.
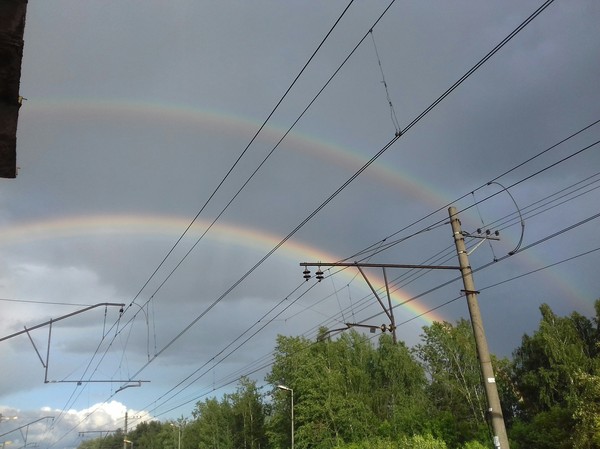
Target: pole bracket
{"x": 471, "y": 292}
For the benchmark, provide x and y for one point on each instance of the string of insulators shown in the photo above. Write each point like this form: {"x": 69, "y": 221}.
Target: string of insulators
{"x": 306, "y": 273}
{"x": 488, "y": 232}
{"x": 319, "y": 275}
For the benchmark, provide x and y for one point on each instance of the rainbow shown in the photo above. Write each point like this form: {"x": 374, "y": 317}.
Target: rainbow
{"x": 151, "y": 226}
{"x": 216, "y": 122}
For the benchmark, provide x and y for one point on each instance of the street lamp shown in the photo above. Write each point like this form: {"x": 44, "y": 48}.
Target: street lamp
{"x": 283, "y": 387}
{"x": 179, "y": 433}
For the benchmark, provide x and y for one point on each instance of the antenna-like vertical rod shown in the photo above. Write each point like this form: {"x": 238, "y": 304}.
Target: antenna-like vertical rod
{"x": 500, "y": 439}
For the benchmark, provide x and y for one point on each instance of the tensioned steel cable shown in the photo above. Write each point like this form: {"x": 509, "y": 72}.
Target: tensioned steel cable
{"x": 231, "y": 379}
{"x": 454, "y": 86}
{"x": 239, "y": 158}
{"x": 554, "y": 194}
{"x": 448, "y": 254}
{"x": 354, "y": 176}
{"x": 260, "y": 129}
{"x": 281, "y": 243}
{"x": 442, "y": 221}
{"x": 248, "y": 370}
{"x": 539, "y": 154}
{"x": 259, "y": 166}
{"x": 387, "y": 146}
{"x": 267, "y": 157}
{"x": 529, "y": 246}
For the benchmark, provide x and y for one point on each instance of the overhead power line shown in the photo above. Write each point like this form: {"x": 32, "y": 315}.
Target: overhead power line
{"x": 332, "y": 196}
{"x": 231, "y": 169}
{"x": 355, "y": 175}
{"x": 446, "y": 257}
{"x": 344, "y": 185}
{"x": 244, "y": 151}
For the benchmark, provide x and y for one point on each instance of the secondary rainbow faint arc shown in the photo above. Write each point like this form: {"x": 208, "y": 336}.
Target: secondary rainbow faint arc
{"x": 227, "y": 124}
{"x": 151, "y": 225}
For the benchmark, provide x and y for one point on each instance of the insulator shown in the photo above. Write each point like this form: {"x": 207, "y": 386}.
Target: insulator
{"x": 487, "y": 232}
{"x": 478, "y": 230}
{"x": 319, "y": 275}
{"x": 497, "y": 233}
{"x": 383, "y": 328}
{"x": 306, "y": 273}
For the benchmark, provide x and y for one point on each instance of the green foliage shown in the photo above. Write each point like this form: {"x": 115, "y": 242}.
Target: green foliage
{"x": 248, "y": 416}
{"x": 555, "y": 372}
{"x": 475, "y": 445}
{"x": 112, "y": 441}
{"x": 351, "y": 394}
{"x": 449, "y": 357}
{"x": 345, "y": 391}
{"x": 213, "y": 424}
{"x": 550, "y": 429}
{"x": 147, "y": 435}
{"x": 507, "y": 389}
{"x": 372, "y": 443}
{"x": 421, "y": 442}
{"x": 546, "y": 362}
{"x": 587, "y": 412}
{"x": 237, "y": 421}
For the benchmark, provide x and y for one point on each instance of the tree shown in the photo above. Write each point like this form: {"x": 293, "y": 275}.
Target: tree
{"x": 147, "y": 435}
{"x": 546, "y": 362}
{"x": 248, "y": 416}
{"x": 555, "y": 371}
{"x": 398, "y": 389}
{"x": 212, "y": 427}
{"x": 346, "y": 390}
{"x": 587, "y": 412}
{"x": 113, "y": 441}
{"x": 449, "y": 357}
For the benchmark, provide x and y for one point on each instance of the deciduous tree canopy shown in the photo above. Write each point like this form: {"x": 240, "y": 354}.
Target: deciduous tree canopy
{"x": 354, "y": 393}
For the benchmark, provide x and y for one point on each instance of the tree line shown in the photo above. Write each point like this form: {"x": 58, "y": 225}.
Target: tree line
{"x": 352, "y": 393}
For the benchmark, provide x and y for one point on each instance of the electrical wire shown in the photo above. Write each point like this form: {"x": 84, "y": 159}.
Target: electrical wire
{"x": 231, "y": 169}
{"x": 244, "y": 151}
{"x": 554, "y": 235}
{"x": 453, "y": 87}
{"x": 456, "y": 200}
{"x": 319, "y": 208}
{"x": 413, "y": 123}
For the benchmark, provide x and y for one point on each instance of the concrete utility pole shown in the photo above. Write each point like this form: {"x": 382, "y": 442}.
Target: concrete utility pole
{"x": 483, "y": 353}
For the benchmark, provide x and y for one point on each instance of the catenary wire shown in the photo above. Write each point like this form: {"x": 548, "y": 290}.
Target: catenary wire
{"x": 537, "y": 155}
{"x": 381, "y": 151}
{"x": 244, "y": 151}
{"x": 414, "y": 122}
{"x": 231, "y": 169}
{"x": 365, "y": 166}
{"x": 249, "y": 371}
{"x": 248, "y": 339}
{"x": 248, "y": 180}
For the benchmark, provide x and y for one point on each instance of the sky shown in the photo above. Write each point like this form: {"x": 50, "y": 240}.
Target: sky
{"x": 149, "y": 188}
